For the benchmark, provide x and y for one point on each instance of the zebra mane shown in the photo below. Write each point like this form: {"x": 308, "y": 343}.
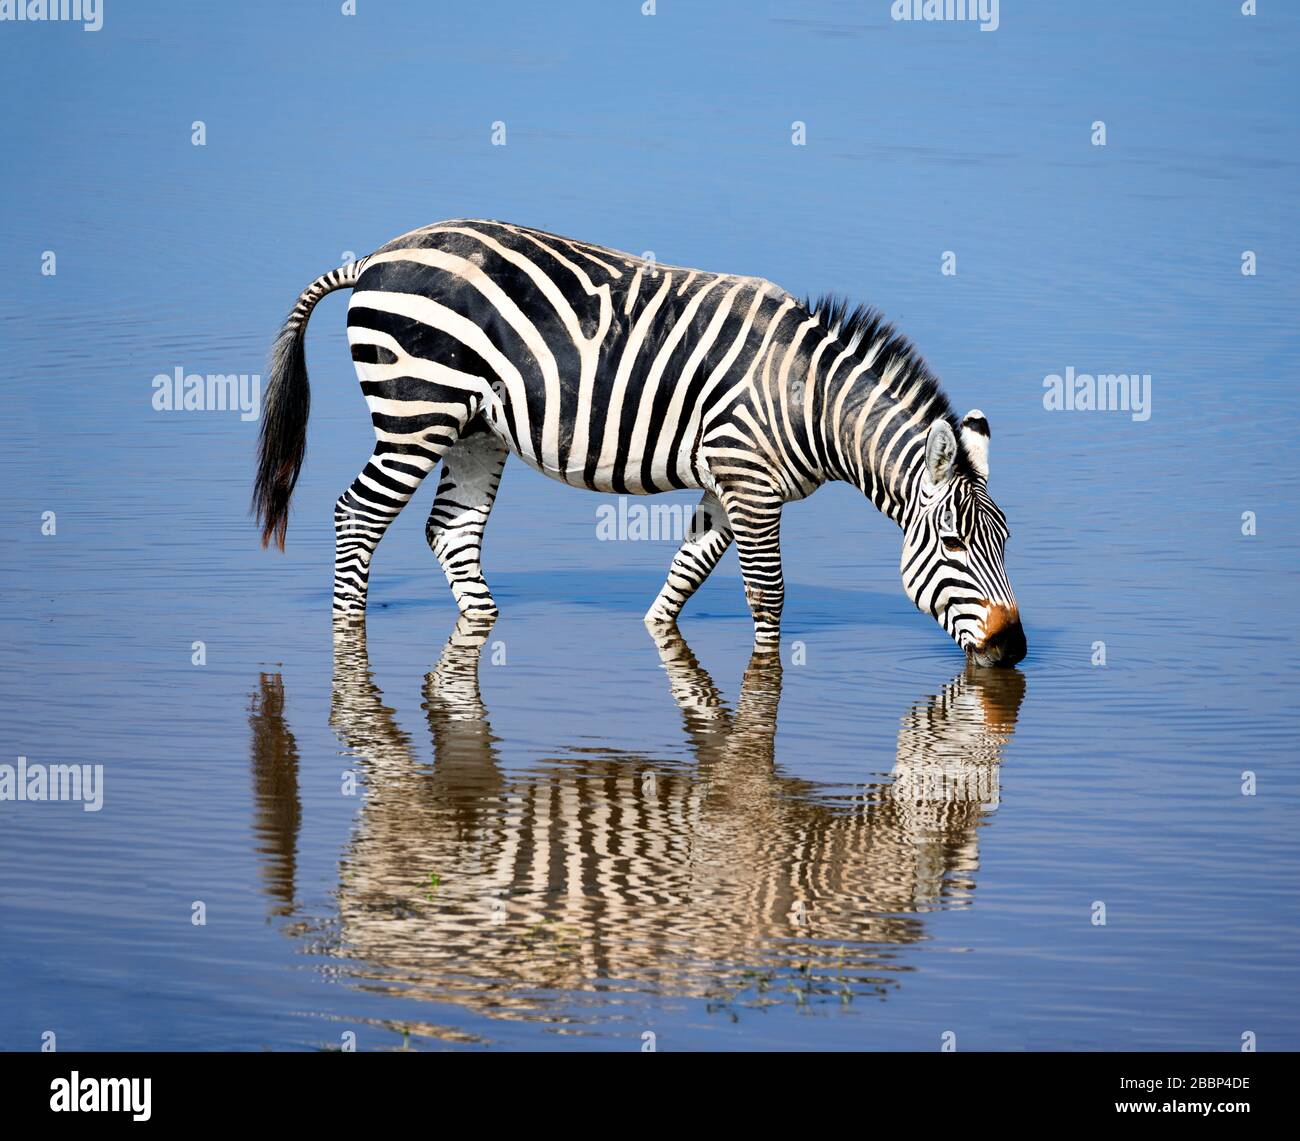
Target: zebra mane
{"x": 865, "y": 332}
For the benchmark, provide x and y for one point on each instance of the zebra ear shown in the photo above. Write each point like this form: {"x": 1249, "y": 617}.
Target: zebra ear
{"x": 940, "y": 451}
{"x": 975, "y": 441}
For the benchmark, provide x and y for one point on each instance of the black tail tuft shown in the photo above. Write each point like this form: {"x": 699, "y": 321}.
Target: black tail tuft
{"x": 283, "y": 439}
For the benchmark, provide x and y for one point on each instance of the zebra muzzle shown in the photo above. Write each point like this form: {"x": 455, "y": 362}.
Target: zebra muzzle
{"x": 1004, "y": 641}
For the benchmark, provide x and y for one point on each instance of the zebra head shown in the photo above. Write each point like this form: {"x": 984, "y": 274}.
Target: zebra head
{"x": 953, "y": 542}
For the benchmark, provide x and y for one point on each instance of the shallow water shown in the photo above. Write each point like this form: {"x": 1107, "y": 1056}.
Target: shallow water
{"x": 570, "y": 835}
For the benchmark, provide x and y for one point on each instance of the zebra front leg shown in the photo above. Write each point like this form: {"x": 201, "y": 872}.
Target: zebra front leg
{"x": 471, "y": 474}
{"x": 707, "y": 542}
{"x": 755, "y": 518}
{"x": 362, "y": 515}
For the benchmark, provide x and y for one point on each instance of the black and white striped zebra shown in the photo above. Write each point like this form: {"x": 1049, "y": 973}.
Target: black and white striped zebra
{"x": 475, "y": 339}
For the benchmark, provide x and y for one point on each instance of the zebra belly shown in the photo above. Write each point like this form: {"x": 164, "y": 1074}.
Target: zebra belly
{"x": 592, "y": 470}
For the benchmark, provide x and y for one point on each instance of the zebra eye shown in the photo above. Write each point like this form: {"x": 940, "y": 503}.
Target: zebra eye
{"x": 952, "y": 543}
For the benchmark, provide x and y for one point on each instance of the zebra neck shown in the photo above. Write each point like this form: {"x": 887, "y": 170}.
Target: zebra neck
{"x": 892, "y": 486}
{"x": 874, "y": 438}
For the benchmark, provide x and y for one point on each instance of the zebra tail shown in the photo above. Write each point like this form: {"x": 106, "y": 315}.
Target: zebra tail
{"x": 282, "y": 442}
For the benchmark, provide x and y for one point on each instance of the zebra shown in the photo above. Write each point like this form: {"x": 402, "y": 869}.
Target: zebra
{"x": 476, "y": 339}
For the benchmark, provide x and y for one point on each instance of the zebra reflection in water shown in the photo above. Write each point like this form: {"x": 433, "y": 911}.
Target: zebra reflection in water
{"x": 603, "y": 869}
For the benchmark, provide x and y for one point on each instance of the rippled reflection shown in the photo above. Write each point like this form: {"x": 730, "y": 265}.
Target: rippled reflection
{"x": 275, "y": 792}
{"x": 603, "y": 870}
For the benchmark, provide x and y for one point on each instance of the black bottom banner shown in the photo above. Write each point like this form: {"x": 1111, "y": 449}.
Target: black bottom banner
{"x": 325, "y": 1089}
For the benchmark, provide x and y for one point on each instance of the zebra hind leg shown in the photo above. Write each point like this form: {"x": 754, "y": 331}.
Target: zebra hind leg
{"x": 471, "y": 474}
{"x": 362, "y": 515}
{"x": 695, "y": 559}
